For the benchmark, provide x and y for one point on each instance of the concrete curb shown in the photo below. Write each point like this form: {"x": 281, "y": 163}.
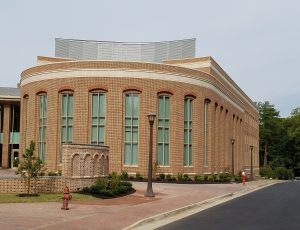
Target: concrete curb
{"x": 179, "y": 213}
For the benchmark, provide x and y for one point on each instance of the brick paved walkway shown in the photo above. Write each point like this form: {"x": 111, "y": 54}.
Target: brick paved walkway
{"x": 112, "y": 213}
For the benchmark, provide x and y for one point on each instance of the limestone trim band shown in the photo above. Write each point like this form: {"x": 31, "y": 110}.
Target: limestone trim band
{"x": 77, "y": 73}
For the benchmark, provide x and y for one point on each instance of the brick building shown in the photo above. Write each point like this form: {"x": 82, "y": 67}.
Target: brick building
{"x": 9, "y": 126}
{"x": 100, "y": 93}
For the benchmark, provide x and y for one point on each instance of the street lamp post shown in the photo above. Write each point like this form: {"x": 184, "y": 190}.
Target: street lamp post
{"x": 149, "y": 191}
{"x": 251, "y": 161}
{"x": 232, "y": 158}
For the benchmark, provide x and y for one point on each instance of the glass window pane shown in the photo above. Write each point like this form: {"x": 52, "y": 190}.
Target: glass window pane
{"x": 135, "y": 122}
{"x": 64, "y": 121}
{"x": 94, "y": 134}
{"x": 101, "y": 134}
{"x": 160, "y": 107}
{"x": 160, "y": 154}
{"x": 190, "y": 156}
{"x": 127, "y": 105}
{"x": 167, "y": 122}
{"x": 127, "y": 155}
{"x": 190, "y": 136}
{"x": 102, "y": 105}
{"x": 161, "y": 123}
{"x": 185, "y": 154}
{"x": 191, "y": 110}
{"x": 102, "y": 121}
{"x": 135, "y": 112}
{"x": 167, "y": 109}
{"x": 128, "y": 121}
{"x": 63, "y": 134}
{"x": 185, "y": 136}
{"x": 45, "y": 106}
{"x": 135, "y": 136}
{"x": 63, "y": 105}
{"x": 166, "y": 136}
{"x": 95, "y": 105}
{"x": 70, "y": 134}
{"x": 166, "y": 154}
{"x": 160, "y": 137}
{"x": 128, "y": 136}
{"x": 70, "y": 121}
{"x": 70, "y": 105}
{"x": 185, "y": 109}
{"x": 94, "y": 121}
{"x": 134, "y": 154}
{"x": 186, "y": 126}
{"x": 44, "y": 134}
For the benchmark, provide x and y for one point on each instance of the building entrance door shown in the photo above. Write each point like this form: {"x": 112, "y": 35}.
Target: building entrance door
{"x": 14, "y": 158}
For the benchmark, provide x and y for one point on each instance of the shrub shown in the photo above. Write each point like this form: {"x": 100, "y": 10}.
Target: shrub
{"x": 267, "y": 172}
{"x": 161, "y": 176}
{"x": 238, "y": 178}
{"x": 186, "y": 177}
{"x": 198, "y": 178}
{"x": 224, "y": 177}
{"x": 138, "y": 176}
{"x": 114, "y": 181}
{"x": 169, "y": 177}
{"x": 124, "y": 175}
{"x": 109, "y": 187}
{"x": 179, "y": 177}
{"x": 101, "y": 183}
{"x": 205, "y": 177}
{"x": 211, "y": 178}
{"x": 282, "y": 173}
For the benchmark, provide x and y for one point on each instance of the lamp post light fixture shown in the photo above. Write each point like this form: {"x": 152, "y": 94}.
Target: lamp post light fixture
{"x": 149, "y": 191}
{"x": 232, "y": 158}
{"x": 251, "y": 161}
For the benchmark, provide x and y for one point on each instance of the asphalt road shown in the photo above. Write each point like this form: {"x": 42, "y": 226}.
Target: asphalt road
{"x": 275, "y": 207}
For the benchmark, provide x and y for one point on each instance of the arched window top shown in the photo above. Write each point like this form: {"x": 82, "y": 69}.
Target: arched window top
{"x": 164, "y": 92}
{"x": 207, "y": 100}
{"x": 26, "y": 96}
{"x": 132, "y": 91}
{"x": 190, "y": 96}
{"x": 66, "y": 90}
{"x": 98, "y": 90}
{"x": 41, "y": 93}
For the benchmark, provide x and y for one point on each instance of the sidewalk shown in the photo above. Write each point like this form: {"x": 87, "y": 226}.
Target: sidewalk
{"x": 131, "y": 212}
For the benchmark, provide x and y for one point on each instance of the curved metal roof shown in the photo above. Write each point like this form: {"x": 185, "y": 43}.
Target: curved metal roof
{"x": 125, "y": 51}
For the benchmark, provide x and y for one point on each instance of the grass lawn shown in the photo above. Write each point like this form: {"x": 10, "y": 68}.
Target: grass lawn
{"x": 43, "y": 197}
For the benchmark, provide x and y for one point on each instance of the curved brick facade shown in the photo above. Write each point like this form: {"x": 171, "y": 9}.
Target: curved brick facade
{"x": 230, "y": 113}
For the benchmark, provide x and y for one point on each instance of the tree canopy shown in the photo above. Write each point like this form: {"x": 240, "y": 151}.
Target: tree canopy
{"x": 279, "y": 138}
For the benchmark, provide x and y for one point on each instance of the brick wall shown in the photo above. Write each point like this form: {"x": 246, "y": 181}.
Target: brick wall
{"x": 82, "y": 77}
{"x": 44, "y": 184}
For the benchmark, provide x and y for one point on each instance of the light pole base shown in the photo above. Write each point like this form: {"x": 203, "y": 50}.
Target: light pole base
{"x": 149, "y": 193}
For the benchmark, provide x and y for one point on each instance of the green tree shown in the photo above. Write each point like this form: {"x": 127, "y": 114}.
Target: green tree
{"x": 293, "y": 136}
{"x": 268, "y": 128}
{"x": 30, "y": 167}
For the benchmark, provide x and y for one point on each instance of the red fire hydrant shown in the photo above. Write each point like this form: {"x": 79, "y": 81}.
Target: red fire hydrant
{"x": 243, "y": 178}
{"x": 66, "y": 197}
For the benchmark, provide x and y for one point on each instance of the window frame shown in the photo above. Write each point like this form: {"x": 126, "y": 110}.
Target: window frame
{"x": 163, "y": 127}
{"x": 131, "y": 129}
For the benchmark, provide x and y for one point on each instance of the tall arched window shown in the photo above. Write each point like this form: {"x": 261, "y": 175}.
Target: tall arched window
{"x": 131, "y": 127}
{"x": 25, "y": 113}
{"x": 188, "y": 120}
{"x": 66, "y": 119}
{"x": 42, "y": 99}
{"x": 163, "y": 129}
{"x": 98, "y": 117}
{"x": 206, "y": 131}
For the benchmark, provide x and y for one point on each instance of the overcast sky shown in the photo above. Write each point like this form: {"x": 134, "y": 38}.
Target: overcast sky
{"x": 257, "y": 42}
